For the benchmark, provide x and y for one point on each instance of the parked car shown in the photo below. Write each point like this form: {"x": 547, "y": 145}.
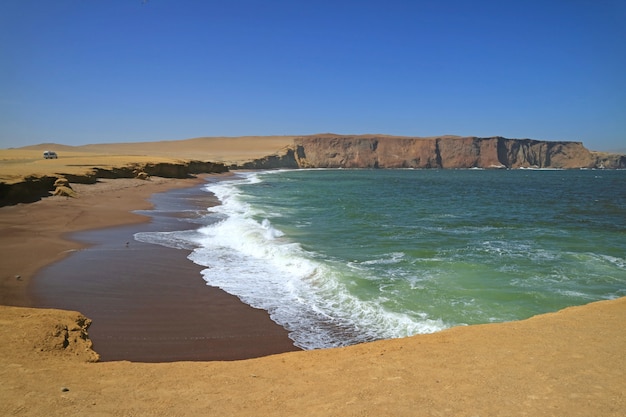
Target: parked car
{"x": 50, "y": 155}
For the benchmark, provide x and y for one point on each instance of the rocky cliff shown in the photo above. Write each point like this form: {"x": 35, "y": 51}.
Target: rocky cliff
{"x": 371, "y": 151}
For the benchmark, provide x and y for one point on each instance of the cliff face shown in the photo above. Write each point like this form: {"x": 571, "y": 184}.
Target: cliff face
{"x": 333, "y": 151}
{"x": 288, "y": 157}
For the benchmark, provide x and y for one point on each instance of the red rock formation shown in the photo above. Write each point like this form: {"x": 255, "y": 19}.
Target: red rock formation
{"x": 370, "y": 151}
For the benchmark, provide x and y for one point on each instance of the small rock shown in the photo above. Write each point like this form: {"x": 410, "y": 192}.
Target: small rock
{"x": 64, "y": 191}
{"x": 62, "y": 182}
{"x": 143, "y": 176}
{"x": 65, "y": 389}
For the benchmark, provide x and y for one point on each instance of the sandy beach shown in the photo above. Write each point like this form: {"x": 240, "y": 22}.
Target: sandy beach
{"x": 567, "y": 363}
{"x": 149, "y": 303}
{"x": 33, "y": 235}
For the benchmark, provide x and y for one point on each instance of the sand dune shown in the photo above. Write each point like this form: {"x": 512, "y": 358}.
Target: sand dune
{"x": 215, "y": 149}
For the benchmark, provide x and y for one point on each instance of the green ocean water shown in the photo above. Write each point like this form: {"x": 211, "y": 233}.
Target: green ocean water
{"x": 343, "y": 256}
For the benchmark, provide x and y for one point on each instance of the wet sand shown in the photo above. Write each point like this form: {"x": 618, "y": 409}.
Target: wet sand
{"x": 34, "y": 235}
{"x": 149, "y": 303}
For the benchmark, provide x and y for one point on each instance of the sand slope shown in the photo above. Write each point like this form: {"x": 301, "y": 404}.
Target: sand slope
{"x": 569, "y": 363}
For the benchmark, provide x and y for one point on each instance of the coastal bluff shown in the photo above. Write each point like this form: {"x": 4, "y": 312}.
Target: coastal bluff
{"x": 35, "y": 186}
{"x": 445, "y": 152}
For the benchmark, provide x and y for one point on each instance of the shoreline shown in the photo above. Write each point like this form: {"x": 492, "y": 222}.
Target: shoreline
{"x": 135, "y": 305}
{"x": 33, "y": 235}
{"x": 566, "y": 363}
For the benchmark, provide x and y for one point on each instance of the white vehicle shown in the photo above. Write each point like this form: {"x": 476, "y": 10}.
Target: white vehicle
{"x": 50, "y": 155}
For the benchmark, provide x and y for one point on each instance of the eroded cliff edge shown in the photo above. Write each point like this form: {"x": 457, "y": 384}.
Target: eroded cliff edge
{"x": 35, "y": 187}
{"x": 448, "y": 152}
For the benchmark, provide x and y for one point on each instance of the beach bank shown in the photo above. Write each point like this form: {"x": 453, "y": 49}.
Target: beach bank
{"x": 569, "y": 363}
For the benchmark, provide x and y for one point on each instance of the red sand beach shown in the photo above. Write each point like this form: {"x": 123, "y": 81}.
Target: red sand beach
{"x": 150, "y": 304}
{"x": 569, "y": 363}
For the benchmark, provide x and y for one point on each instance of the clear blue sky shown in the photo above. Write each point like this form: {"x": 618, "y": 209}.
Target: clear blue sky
{"x": 93, "y": 71}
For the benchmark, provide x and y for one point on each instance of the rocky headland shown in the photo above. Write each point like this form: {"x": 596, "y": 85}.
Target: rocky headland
{"x": 446, "y": 152}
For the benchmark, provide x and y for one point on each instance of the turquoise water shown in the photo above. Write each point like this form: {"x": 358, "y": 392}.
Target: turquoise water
{"x": 344, "y": 256}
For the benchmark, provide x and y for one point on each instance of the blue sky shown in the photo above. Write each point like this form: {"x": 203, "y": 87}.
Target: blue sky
{"x": 94, "y": 71}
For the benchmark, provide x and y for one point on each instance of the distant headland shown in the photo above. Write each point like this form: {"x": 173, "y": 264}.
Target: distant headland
{"x": 27, "y": 176}
{"x": 445, "y": 152}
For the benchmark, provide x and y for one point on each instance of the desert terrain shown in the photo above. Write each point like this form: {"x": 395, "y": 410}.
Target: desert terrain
{"x": 568, "y": 363}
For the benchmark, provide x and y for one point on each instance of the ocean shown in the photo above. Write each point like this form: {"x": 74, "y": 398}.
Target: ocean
{"x": 339, "y": 257}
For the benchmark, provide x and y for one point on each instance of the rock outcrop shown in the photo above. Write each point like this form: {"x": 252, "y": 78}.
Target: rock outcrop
{"x": 142, "y": 176}
{"x": 370, "y": 151}
{"x": 51, "y": 333}
{"x": 29, "y": 190}
{"x": 181, "y": 169}
{"x": 64, "y": 191}
{"x": 62, "y": 182}
{"x": 288, "y": 157}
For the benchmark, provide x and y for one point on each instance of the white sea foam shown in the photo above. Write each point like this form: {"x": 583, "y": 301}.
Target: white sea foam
{"x": 390, "y": 279}
{"x": 247, "y": 256}
{"x": 575, "y": 294}
{"x": 390, "y": 258}
{"x": 517, "y": 250}
{"x": 618, "y": 262}
{"x": 176, "y": 240}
